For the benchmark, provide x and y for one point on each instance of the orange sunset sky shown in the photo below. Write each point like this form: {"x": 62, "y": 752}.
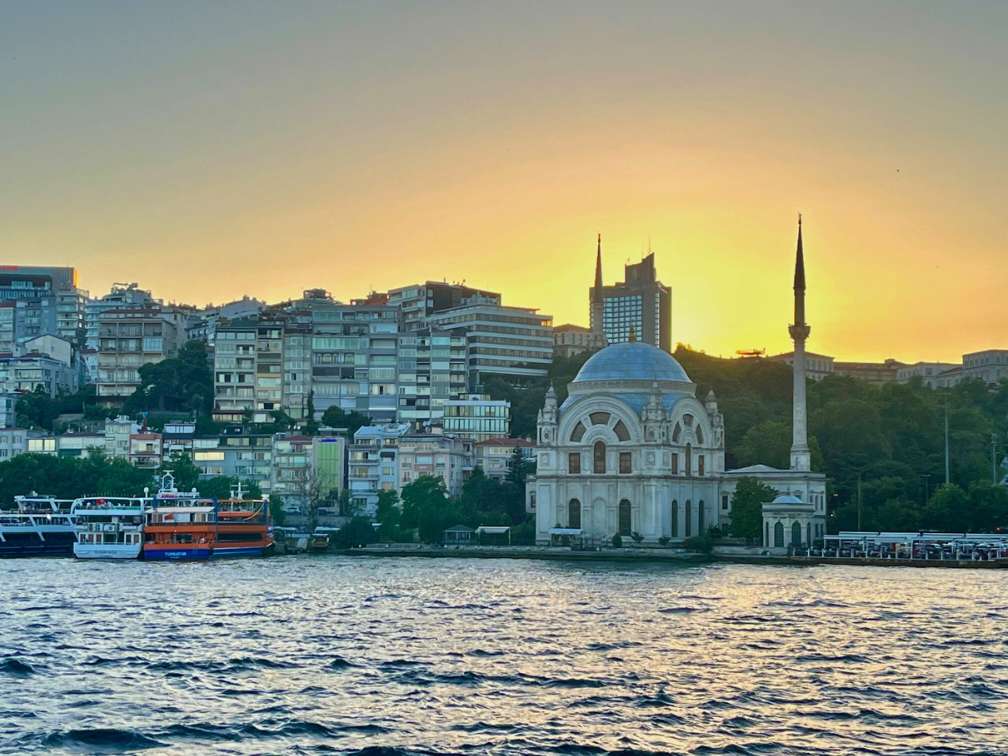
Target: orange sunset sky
{"x": 213, "y": 150}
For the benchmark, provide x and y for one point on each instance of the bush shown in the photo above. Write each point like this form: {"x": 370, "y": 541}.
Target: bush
{"x": 637, "y": 537}
{"x": 703, "y": 544}
{"x": 617, "y": 540}
{"x": 664, "y": 540}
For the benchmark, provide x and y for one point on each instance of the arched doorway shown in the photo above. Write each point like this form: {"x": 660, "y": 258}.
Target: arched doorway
{"x": 795, "y": 534}
{"x": 689, "y": 518}
{"x": 598, "y": 458}
{"x": 778, "y": 535}
{"x": 701, "y": 524}
{"x": 625, "y": 518}
{"x": 675, "y": 519}
{"x": 574, "y": 514}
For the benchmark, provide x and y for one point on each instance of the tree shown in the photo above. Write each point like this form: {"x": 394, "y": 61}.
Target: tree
{"x": 948, "y": 510}
{"x": 747, "y": 508}
{"x": 335, "y": 417}
{"x": 425, "y": 506}
{"x": 277, "y": 512}
{"x": 183, "y": 383}
{"x": 356, "y": 533}
{"x": 388, "y": 515}
{"x": 768, "y": 443}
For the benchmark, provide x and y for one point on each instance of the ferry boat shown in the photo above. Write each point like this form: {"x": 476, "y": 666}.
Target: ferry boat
{"x": 39, "y": 526}
{"x": 179, "y": 526}
{"x": 109, "y": 527}
{"x": 243, "y": 527}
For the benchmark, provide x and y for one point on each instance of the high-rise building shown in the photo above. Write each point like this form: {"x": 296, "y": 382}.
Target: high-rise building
{"x": 638, "y": 307}
{"x": 46, "y": 300}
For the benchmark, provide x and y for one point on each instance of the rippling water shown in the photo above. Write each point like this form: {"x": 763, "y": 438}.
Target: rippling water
{"x": 306, "y": 655}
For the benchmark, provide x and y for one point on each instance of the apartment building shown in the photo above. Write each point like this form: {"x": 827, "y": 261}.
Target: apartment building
{"x": 130, "y": 337}
{"x": 432, "y": 370}
{"x": 419, "y": 301}
{"x": 515, "y": 343}
{"x": 477, "y": 417}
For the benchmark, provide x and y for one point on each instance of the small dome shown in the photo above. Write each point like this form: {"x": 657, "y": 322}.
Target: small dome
{"x": 787, "y": 499}
{"x": 631, "y": 361}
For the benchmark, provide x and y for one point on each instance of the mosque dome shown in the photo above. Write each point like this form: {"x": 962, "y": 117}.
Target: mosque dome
{"x": 632, "y": 361}
{"x": 787, "y": 499}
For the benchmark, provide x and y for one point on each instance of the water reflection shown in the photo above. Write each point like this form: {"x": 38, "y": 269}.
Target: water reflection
{"x": 451, "y": 655}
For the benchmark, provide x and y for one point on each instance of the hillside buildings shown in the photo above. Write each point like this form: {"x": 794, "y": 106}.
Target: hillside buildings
{"x": 477, "y": 417}
{"x": 639, "y": 305}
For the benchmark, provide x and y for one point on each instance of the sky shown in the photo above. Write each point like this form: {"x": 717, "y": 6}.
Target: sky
{"x": 211, "y": 150}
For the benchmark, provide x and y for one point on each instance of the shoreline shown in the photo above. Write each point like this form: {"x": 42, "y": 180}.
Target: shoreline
{"x": 646, "y": 556}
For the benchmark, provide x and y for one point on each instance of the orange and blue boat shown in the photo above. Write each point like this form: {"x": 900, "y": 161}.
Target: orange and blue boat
{"x": 243, "y": 527}
{"x": 181, "y": 526}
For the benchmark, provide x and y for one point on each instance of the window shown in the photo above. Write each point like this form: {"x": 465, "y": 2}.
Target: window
{"x": 621, "y": 431}
{"x": 724, "y": 501}
{"x": 599, "y": 418}
{"x": 598, "y": 458}
{"x": 677, "y": 433}
{"x": 689, "y": 460}
{"x": 778, "y": 535}
{"x": 701, "y": 516}
{"x": 675, "y": 518}
{"x": 625, "y": 518}
{"x": 795, "y": 534}
{"x": 700, "y": 465}
{"x": 689, "y": 517}
{"x": 624, "y": 463}
{"x": 574, "y": 463}
{"x": 675, "y": 463}
{"x": 699, "y": 435}
{"x": 574, "y": 514}
{"x": 578, "y": 433}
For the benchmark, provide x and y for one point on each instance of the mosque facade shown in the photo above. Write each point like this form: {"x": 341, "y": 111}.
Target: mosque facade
{"x": 633, "y": 451}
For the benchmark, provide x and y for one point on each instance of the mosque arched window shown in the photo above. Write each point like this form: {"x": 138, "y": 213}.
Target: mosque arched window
{"x": 675, "y": 463}
{"x": 689, "y": 518}
{"x": 778, "y": 535}
{"x": 689, "y": 460}
{"x": 766, "y": 534}
{"x": 625, "y": 518}
{"x": 808, "y": 533}
{"x": 675, "y": 518}
{"x": 621, "y": 431}
{"x": 598, "y": 458}
{"x": 795, "y": 534}
{"x": 701, "y": 516}
{"x": 578, "y": 433}
{"x": 599, "y": 418}
{"x": 677, "y": 433}
{"x": 574, "y": 514}
{"x": 699, "y": 435}
{"x": 687, "y": 421}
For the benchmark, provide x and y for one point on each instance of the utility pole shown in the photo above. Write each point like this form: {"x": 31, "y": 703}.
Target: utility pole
{"x": 859, "y": 500}
{"x": 994, "y": 478}
{"x": 948, "y": 479}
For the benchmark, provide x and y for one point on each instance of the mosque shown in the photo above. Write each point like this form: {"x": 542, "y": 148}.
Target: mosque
{"x": 633, "y": 451}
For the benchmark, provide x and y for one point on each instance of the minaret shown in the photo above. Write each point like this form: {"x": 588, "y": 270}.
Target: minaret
{"x": 595, "y": 293}
{"x": 799, "y": 330}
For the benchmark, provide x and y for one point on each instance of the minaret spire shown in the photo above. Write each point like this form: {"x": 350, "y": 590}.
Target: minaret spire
{"x": 598, "y": 263}
{"x": 799, "y": 330}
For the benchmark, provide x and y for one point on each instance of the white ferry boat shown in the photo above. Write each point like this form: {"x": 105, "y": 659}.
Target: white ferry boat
{"x": 40, "y": 526}
{"x": 109, "y": 527}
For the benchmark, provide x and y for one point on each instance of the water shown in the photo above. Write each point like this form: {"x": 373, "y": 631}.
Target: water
{"x": 311, "y": 655}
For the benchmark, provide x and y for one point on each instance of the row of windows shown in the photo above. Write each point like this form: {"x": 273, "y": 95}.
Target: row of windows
{"x": 625, "y": 461}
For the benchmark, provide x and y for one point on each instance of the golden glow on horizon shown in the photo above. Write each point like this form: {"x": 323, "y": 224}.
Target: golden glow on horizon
{"x": 274, "y": 170}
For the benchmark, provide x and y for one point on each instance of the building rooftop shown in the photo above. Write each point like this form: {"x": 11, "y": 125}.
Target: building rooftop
{"x": 631, "y": 361}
